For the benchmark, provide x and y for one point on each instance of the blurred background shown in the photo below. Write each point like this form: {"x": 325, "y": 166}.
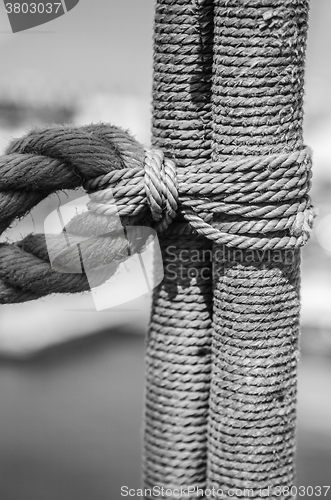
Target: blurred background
{"x": 71, "y": 378}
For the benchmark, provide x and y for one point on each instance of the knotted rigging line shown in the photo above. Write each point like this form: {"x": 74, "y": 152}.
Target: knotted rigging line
{"x": 264, "y": 202}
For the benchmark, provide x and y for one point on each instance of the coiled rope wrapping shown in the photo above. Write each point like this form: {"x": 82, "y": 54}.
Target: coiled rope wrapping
{"x": 178, "y": 341}
{"x": 258, "y": 79}
{"x": 264, "y": 201}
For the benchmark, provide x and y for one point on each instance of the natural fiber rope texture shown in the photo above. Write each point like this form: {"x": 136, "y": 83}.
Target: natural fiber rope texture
{"x": 263, "y": 201}
{"x": 101, "y": 156}
{"x": 178, "y": 340}
{"x": 259, "y": 50}
{"x": 45, "y": 161}
{"x": 253, "y": 390}
{"x": 161, "y": 188}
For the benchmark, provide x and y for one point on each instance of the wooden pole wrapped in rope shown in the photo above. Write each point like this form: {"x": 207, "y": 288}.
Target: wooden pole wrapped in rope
{"x": 178, "y": 343}
{"x": 258, "y": 77}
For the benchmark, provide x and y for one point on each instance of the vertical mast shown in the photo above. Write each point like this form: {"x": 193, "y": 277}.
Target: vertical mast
{"x": 257, "y": 95}
{"x": 178, "y": 344}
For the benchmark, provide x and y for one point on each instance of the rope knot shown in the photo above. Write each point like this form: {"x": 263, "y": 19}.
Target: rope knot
{"x": 161, "y": 188}
{"x": 250, "y": 203}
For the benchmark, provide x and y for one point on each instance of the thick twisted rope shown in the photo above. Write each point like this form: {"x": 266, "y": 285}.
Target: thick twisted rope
{"x": 145, "y": 187}
{"x": 45, "y": 161}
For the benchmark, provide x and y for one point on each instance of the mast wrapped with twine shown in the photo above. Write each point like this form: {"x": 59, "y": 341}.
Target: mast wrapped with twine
{"x": 178, "y": 343}
{"x": 259, "y": 213}
{"x": 258, "y": 78}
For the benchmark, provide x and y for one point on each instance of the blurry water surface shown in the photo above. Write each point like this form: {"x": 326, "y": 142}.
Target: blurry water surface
{"x": 71, "y": 420}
